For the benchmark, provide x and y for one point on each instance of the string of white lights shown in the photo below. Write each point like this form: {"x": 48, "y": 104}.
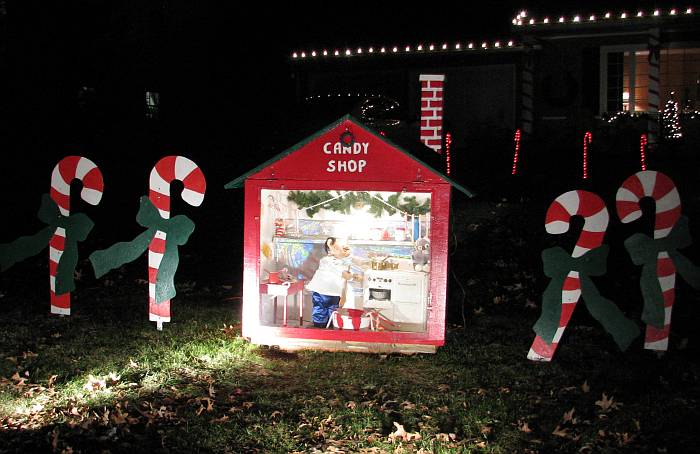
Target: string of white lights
{"x": 420, "y": 48}
{"x": 523, "y": 19}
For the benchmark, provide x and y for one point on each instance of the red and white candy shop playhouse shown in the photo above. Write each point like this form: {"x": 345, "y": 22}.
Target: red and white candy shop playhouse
{"x": 351, "y": 201}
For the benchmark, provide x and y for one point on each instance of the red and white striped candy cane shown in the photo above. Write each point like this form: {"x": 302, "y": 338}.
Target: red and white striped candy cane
{"x": 67, "y": 170}
{"x": 165, "y": 171}
{"x": 649, "y": 183}
{"x": 592, "y": 208}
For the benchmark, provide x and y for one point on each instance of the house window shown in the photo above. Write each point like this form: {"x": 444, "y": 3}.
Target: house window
{"x": 626, "y": 85}
{"x": 390, "y": 256}
{"x": 152, "y": 104}
{"x": 615, "y": 97}
{"x": 680, "y": 73}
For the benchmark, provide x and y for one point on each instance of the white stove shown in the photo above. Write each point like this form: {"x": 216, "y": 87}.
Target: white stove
{"x": 401, "y": 295}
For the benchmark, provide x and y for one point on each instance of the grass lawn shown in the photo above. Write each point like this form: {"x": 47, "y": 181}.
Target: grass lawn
{"x": 104, "y": 380}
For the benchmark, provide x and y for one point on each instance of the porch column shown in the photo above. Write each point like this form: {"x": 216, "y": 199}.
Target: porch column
{"x": 654, "y": 45}
{"x": 527, "y": 96}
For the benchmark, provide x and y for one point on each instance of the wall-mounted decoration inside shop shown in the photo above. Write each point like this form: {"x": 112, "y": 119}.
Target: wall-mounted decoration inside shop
{"x": 63, "y": 231}
{"x": 345, "y": 243}
{"x": 571, "y": 276}
{"x": 163, "y": 234}
{"x": 659, "y": 256}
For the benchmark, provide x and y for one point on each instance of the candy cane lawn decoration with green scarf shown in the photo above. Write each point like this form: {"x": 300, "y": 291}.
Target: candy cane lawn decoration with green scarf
{"x": 571, "y": 276}
{"x": 63, "y": 231}
{"x": 163, "y": 234}
{"x": 659, "y": 257}
{"x": 165, "y": 171}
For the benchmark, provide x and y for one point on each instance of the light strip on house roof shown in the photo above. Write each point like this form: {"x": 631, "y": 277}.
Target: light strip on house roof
{"x": 522, "y": 19}
{"x": 404, "y": 50}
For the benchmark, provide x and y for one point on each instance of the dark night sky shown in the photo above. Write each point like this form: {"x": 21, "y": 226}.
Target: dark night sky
{"x": 224, "y": 76}
{"x": 223, "y": 70}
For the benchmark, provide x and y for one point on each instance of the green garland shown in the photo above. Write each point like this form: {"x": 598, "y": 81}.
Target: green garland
{"x": 328, "y": 200}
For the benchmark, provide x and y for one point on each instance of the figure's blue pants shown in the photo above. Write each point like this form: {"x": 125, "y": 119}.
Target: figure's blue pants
{"x": 323, "y": 307}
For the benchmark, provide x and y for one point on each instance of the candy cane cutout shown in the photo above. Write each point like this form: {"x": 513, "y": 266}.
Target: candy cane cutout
{"x": 165, "y": 171}
{"x": 516, "y": 139}
{"x": 661, "y": 188}
{"x": 587, "y": 139}
{"x": 557, "y": 221}
{"x": 68, "y": 169}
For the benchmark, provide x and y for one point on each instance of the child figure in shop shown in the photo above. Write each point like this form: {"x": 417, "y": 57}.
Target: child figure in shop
{"x": 330, "y": 280}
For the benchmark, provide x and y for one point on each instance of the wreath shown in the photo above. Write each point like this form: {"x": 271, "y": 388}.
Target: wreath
{"x": 347, "y": 139}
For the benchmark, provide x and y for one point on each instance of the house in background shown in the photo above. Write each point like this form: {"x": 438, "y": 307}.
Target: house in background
{"x": 555, "y": 73}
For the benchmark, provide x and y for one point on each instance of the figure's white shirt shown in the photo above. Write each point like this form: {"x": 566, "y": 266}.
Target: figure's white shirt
{"x": 328, "y": 279}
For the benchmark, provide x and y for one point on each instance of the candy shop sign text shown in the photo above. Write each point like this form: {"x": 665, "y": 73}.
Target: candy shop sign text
{"x": 344, "y": 165}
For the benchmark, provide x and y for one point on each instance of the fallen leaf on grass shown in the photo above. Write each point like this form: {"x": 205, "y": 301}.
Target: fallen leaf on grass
{"x": 584, "y": 387}
{"x": 445, "y": 438}
{"x": 95, "y": 384}
{"x": 208, "y": 408}
{"x": 52, "y": 380}
{"x": 406, "y": 405}
{"x": 113, "y": 377}
{"x": 624, "y": 438}
{"x": 118, "y": 417}
{"x": 351, "y": 405}
{"x": 606, "y": 404}
{"x": 569, "y": 417}
{"x": 20, "y": 380}
{"x": 561, "y": 432}
{"x": 524, "y": 427}
{"x": 400, "y": 434}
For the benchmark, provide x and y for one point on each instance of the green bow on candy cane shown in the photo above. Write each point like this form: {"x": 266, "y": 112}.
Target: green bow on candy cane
{"x": 177, "y": 230}
{"x": 557, "y": 265}
{"x": 645, "y": 251}
{"x": 77, "y": 227}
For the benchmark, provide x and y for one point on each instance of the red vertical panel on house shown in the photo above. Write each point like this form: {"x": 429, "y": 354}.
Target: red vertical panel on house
{"x": 439, "y": 236}
{"x": 251, "y": 258}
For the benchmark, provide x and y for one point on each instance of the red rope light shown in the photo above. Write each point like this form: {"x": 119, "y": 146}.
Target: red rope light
{"x": 587, "y": 139}
{"x": 448, "y": 143}
{"x": 642, "y": 151}
{"x": 517, "y": 150}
